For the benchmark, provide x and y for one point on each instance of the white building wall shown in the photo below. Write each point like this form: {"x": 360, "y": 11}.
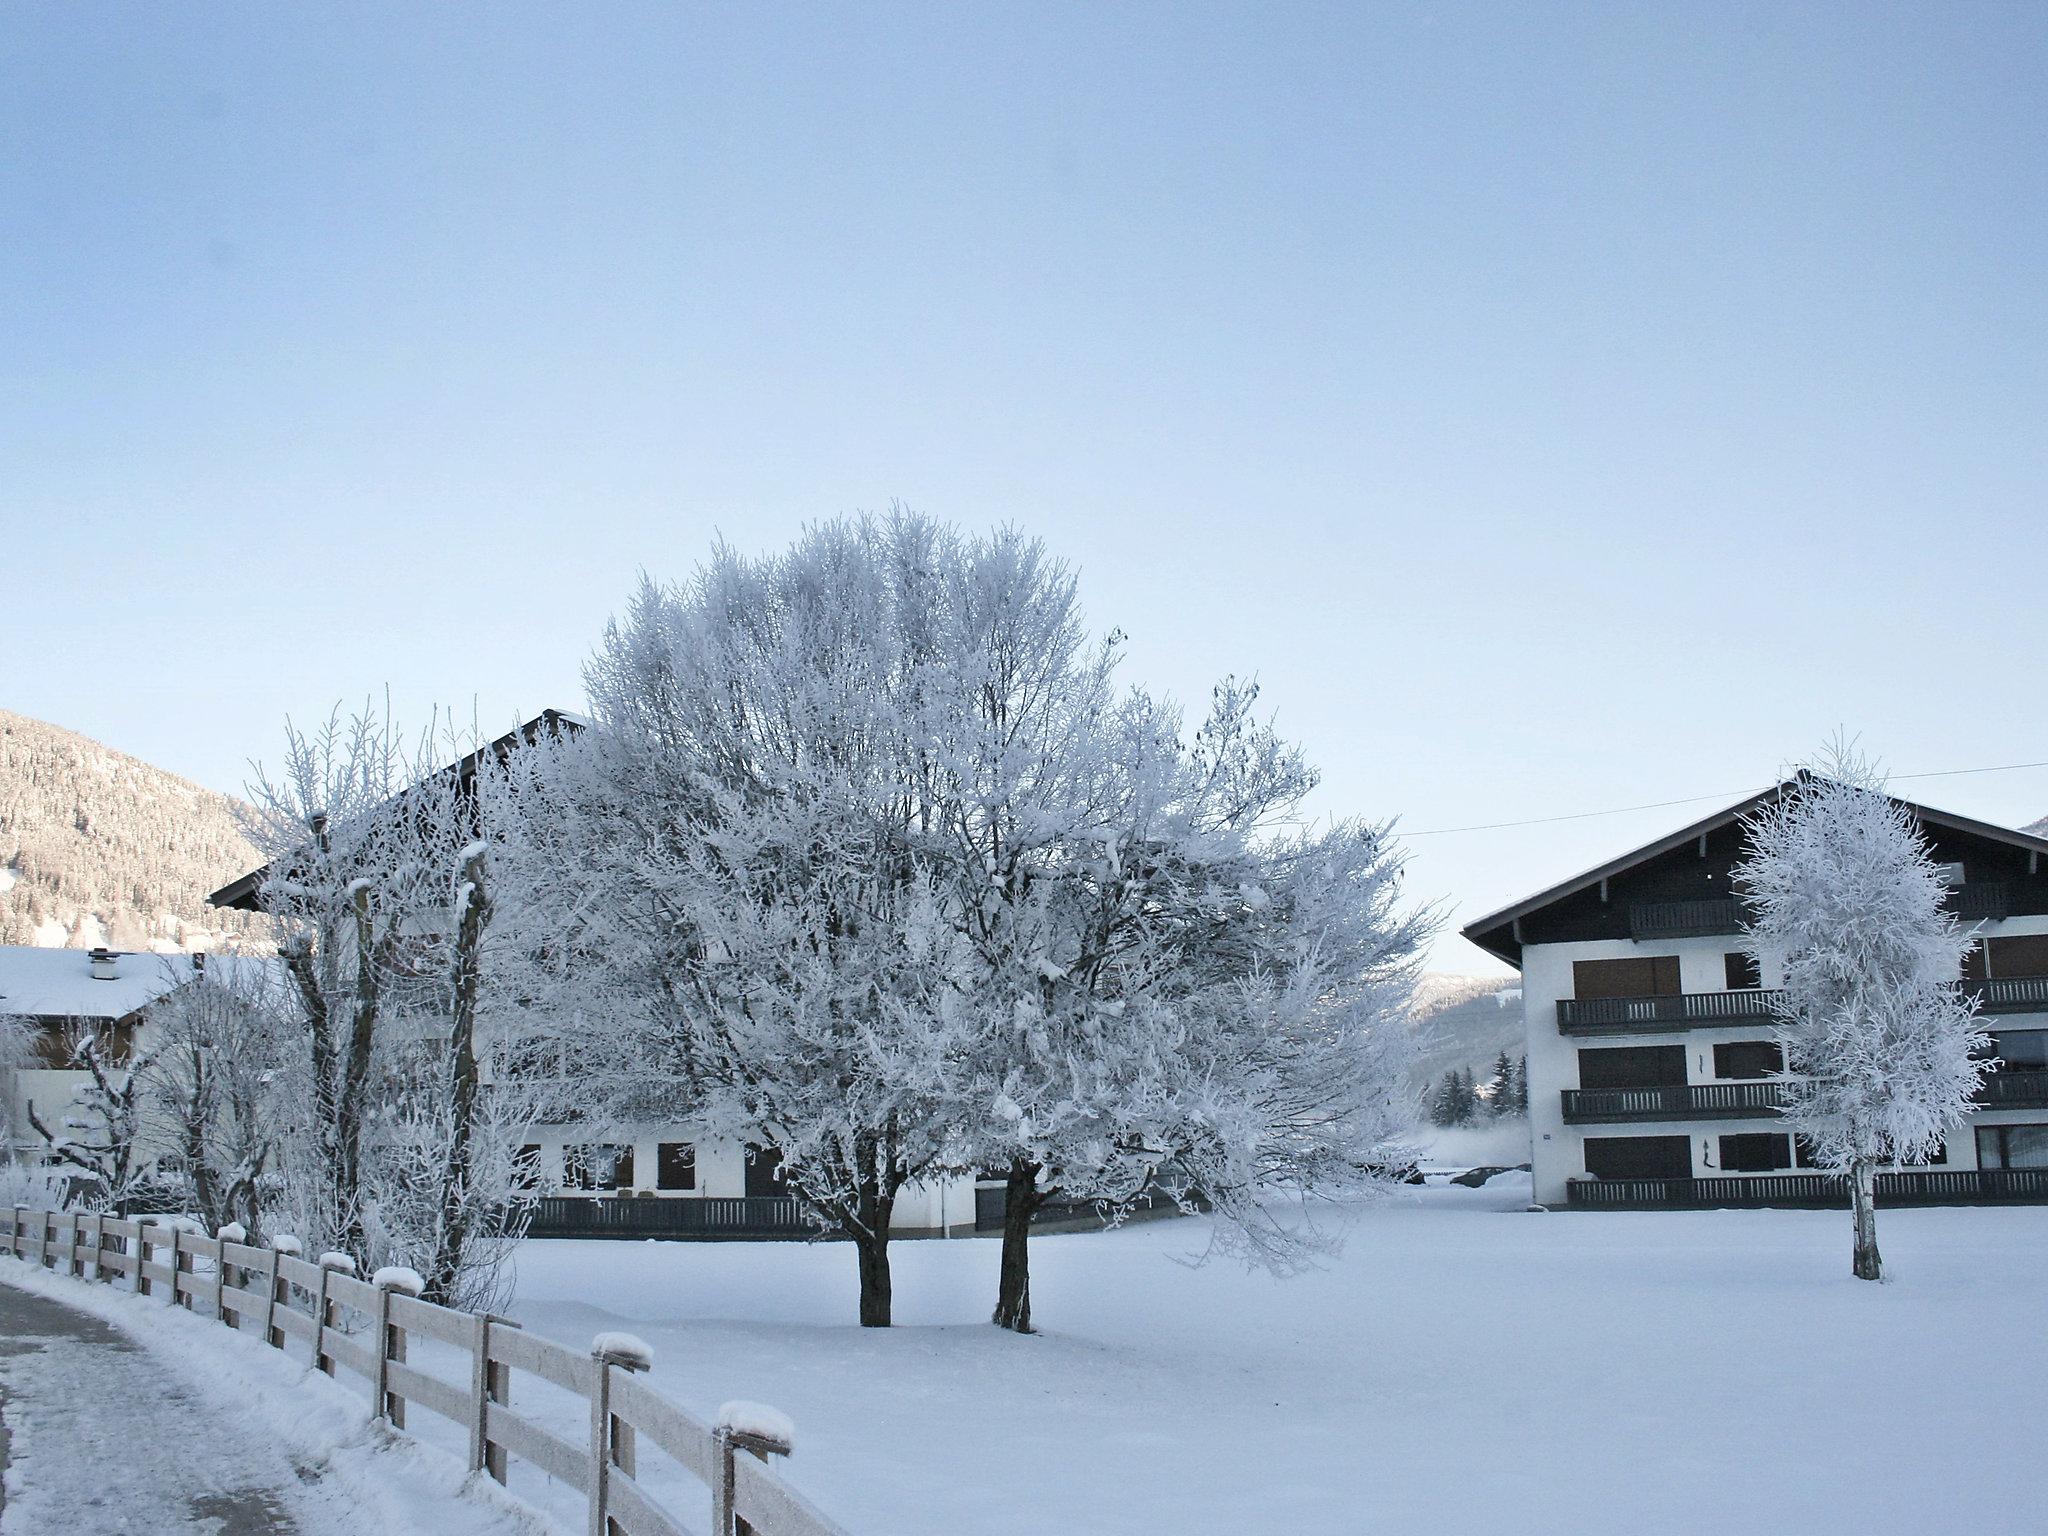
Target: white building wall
{"x": 1558, "y": 1150}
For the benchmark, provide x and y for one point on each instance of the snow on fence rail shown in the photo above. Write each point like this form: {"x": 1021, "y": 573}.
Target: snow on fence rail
{"x": 364, "y": 1326}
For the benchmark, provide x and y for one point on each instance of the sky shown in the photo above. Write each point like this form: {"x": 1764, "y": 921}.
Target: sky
{"x": 1556, "y": 408}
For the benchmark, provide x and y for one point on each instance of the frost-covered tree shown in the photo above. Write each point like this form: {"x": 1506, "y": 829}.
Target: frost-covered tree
{"x": 209, "y": 1089}
{"x": 1454, "y": 1103}
{"x": 726, "y": 875}
{"x": 1500, "y": 1087}
{"x": 1184, "y": 993}
{"x": 865, "y": 858}
{"x": 387, "y": 1149}
{"x": 100, "y": 1132}
{"x": 1882, "y": 1048}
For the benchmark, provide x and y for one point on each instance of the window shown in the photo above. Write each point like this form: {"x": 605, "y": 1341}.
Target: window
{"x": 1748, "y": 1059}
{"x": 1639, "y": 1157}
{"x": 1648, "y": 976}
{"x": 1757, "y": 1152}
{"x": 2012, "y": 1146}
{"x": 1633, "y": 1066}
{"x": 764, "y": 1172}
{"x": 1803, "y": 1155}
{"x": 2021, "y": 1050}
{"x": 1973, "y": 963}
{"x": 597, "y": 1167}
{"x": 1743, "y": 973}
{"x": 1950, "y": 875}
{"x": 2022, "y": 955}
{"x": 675, "y": 1165}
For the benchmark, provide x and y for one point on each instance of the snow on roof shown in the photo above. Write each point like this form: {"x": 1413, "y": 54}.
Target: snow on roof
{"x": 60, "y": 982}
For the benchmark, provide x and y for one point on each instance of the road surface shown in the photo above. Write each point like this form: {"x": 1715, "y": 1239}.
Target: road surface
{"x": 96, "y": 1437}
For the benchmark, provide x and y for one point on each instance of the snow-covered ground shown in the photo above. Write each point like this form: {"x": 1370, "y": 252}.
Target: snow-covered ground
{"x": 161, "y": 1422}
{"x": 1463, "y": 1365}
{"x": 1489, "y": 1143}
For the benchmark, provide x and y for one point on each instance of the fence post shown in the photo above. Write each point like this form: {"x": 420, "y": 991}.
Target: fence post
{"x": 174, "y": 1264}
{"x": 498, "y": 1389}
{"x": 42, "y": 1239}
{"x": 380, "y": 1334}
{"x": 279, "y": 1296}
{"x": 141, "y": 1255}
{"x": 390, "y": 1341}
{"x": 611, "y": 1441}
{"x": 323, "y": 1309}
{"x": 726, "y": 1442}
{"x": 14, "y": 1234}
{"x": 184, "y": 1266}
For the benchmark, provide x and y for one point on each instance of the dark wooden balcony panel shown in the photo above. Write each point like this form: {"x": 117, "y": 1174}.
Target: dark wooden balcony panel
{"x": 1677, "y": 1101}
{"x": 1684, "y": 919}
{"x": 1981, "y": 901}
{"x": 1650, "y": 1015}
{"x": 1986, "y": 1186}
{"x": 675, "y": 1216}
{"x": 2013, "y": 1090}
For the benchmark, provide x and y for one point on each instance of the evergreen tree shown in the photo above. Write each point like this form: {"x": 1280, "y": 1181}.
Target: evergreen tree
{"x": 1500, "y": 1095}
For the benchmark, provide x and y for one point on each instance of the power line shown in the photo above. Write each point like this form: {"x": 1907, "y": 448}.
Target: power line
{"x": 1658, "y": 805}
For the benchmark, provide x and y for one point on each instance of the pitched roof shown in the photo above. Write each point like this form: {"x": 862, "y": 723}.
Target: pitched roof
{"x": 242, "y": 893}
{"x": 59, "y": 982}
{"x": 2033, "y": 840}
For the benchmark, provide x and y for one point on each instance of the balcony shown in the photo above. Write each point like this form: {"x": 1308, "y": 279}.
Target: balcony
{"x": 678, "y": 1216}
{"x": 1683, "y": 919}
{"x": 1979, "y": 901}
{"x": 1707, "y": 1010}
{"x": 1986, "y": 1186}
{"x": 1676, "y": 1101}
{"x": 1654, "y": 1015}
{"x": 2013, "y": 1090}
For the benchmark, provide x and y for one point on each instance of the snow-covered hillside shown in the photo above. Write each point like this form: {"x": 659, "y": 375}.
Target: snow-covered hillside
{"x": 1465, "y": 1022}
{"x": 1461, "y": 1366}
{"x": 97, "y": 847}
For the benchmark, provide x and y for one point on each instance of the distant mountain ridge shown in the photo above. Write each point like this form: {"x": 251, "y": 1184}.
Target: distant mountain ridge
{"x": 97, "y": 847}
{"x": 1465, "y": 1022}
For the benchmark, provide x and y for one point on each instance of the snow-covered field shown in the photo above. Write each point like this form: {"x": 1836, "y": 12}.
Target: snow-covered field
{"x": 1464, "y": 1365}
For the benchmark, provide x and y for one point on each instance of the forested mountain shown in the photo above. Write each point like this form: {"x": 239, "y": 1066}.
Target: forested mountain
{"x": 1465, "y": 1021}
{"x": 97, "y": 847}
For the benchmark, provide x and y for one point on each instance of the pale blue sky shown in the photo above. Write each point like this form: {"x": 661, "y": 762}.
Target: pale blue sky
{"x": 1556, "y": 406}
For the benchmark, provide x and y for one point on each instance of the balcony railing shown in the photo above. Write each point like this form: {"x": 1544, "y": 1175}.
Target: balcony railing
{"x": 1684, "y": 919}
{"x": 2013, "y": 1090}
{"x": 676, "y": 1216}
{"x": 1706, "y": 1010}
{"x": 1675, "y": 1101}
{"x": 1650, "y": 1015}
{"x": 1979, "y": 901}
{"x": 1985, "y": 1186}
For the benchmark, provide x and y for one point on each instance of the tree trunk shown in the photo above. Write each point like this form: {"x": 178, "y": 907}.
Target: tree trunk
{"x": 1021, "y": 1200}
{"x": 875, "y": 1295}
{"x": 1863, "y": 1190}
{"x": 458, "y": 1192}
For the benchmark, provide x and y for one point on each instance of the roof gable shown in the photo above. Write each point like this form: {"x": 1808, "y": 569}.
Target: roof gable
{"x": 1499, "y": 933}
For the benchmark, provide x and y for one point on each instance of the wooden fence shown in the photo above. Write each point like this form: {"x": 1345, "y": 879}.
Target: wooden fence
{"x": 346, "y": 1323}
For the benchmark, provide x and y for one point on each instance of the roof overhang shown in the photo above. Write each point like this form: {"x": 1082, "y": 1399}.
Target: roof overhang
{"x": 1495, "y": 932}
{"x": 242, "y": 894}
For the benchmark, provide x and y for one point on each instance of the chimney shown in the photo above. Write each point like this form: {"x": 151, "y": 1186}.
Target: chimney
{"x": 102, "y": 964}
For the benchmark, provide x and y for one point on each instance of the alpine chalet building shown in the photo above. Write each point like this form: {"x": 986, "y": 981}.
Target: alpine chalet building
{"x": 1650, "y": 1038}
